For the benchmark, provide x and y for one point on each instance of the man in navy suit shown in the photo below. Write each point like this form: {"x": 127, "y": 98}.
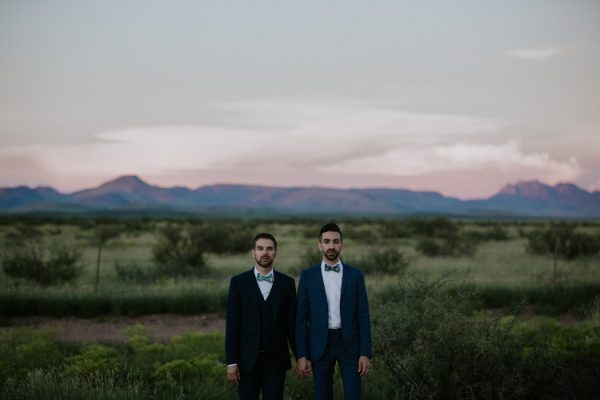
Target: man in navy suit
{"x": 261, "y": 312}
{"x": 332, "y": 320}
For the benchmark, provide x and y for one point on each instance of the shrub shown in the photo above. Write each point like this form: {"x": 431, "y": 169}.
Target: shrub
{"x": 385, "y": 261}
{"x": 395, "y": 229}
{"x": 223, "y": 237}
{"x": 41, "y": 264}
{"x": 367, "y": 232}
{"x": 440, "y": 237}
{"x": 36, "y": 353}
{"x": 562, "y": 240}
{"x": 190, "y": 343}
{"x": 95, "y": 359}
{"x": 433, "y": 227}
{"x": 455, "y": 245}
{"x": 24, "y": 349}
{"x": 178, "y": 252}
{"x": 7, "y": 370}
{"x": 208, "y": 366}
{"x": 430, "y": 247}
{"x": 132, "y": 272}
{"x": 495, "y": 233}
{"x": 145, "y": 354}
{"x": 310, "y": 257}
{"x": 428, "y": 342}
{"x": 175, "y": 371}
{"x": 24, "y": 232}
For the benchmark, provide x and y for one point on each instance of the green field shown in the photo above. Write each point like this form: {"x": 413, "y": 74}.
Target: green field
{"x": 486, "y": 295}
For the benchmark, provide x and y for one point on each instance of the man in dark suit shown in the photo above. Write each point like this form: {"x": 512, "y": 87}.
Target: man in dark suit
{"x": 261, "y": 311}
{"x": 332, "y": 320}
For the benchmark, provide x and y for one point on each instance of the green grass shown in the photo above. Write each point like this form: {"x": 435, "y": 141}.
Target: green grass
{"x": 34, "y": 364}
{"x": 502, "y": 272}
{"x": 132, "y": 300}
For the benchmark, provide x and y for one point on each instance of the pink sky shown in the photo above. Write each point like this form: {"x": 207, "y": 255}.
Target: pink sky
{"x": 456, "y": 98}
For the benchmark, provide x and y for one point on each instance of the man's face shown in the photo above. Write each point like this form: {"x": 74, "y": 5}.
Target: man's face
{"x": 264, "y": 252}
{"x": 331, "y": 246}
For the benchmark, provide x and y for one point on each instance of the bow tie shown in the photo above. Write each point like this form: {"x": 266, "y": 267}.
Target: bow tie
{"x": 266, "y": 278}
{"x": 335, "y": 267}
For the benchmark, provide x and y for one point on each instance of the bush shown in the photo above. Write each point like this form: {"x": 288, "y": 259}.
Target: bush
{"x": 562, "y": 240}
{"x": 433, "y": 227}
{"x": 24, "y": 232}
{"x": 41, "y": 264}
{"x": 36, "y": 353}
{"x": 95, "y": 359}
{"x": 395, "y": 229}
{"x": 386, "y": 261}
{"x": 310, "y": 257}
{"x": 437, "y": 237}
{"x": 428, "y": 342}
{"x": 201, "y": 367}
{"x": 366, "y": 232}
{"x": 455, "y": 245}
{"x": 132, "y": 272}
{"x": 176, "y": 370}
{"x": 495, "y": 233}
{"x": 190, "y": 343}
{"x": 223, "y": 237}
{"x": 178, "y": 252}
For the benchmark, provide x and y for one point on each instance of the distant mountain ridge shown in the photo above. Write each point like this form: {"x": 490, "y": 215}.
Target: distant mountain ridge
{"x": 531, "y": 198}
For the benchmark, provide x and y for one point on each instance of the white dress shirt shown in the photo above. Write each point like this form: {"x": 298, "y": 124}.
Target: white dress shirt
{"x": 264, "y": 286}
{"x": 333, "y": 289}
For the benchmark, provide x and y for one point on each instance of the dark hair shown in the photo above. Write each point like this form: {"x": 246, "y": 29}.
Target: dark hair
{"x": 330, "y": 227}
{"x": 264, "y": 235}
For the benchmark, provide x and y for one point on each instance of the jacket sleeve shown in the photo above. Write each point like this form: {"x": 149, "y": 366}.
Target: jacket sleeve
{"x": 302, "y": 315}
{"x": 233, "y": 324}
{"x": 364, "y": 320}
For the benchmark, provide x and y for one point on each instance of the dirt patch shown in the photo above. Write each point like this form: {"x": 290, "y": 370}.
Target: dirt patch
{"x": 160, "y": 328}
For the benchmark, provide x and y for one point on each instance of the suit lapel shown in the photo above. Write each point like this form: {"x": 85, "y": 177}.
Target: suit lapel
{"x": 345, "y": 280}
{"x": 252, "y": 288}
{"x": 275, "y": 289}
{"x": 319, "y": 277}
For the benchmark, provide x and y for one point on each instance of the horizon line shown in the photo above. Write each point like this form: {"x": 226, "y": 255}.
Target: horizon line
{"x": 135, "y": 176}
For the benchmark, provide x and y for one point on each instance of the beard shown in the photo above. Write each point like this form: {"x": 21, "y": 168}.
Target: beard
{"x": 331, "y": 255}
{"x": 264, "y": 262}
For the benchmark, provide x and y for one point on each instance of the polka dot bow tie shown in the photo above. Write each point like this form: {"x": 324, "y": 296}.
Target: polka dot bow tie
{"x": 335, "y": 267}
{"x": 266, "y": 278}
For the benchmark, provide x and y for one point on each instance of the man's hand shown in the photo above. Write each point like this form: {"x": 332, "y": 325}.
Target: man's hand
{"x": 233, "y": 374}
{"x": 363, "y": 365}
{"x": 303, "y": 367}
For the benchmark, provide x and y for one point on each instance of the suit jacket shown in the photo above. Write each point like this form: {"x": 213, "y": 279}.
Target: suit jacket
{"x": 312, "y": 315}
{"x": 242, "y": 332}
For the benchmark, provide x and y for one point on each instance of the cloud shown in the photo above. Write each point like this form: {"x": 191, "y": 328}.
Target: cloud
{"x": 299, "y": 135}
{"x": 339, "y": 144}
{"x": 594, "y": 186}
{"x": 537, "y": 54}
{"x": 460, "y": 158}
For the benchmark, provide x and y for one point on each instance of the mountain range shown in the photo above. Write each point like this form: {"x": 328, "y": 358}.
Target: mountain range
{"x": 130, "y": 193}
